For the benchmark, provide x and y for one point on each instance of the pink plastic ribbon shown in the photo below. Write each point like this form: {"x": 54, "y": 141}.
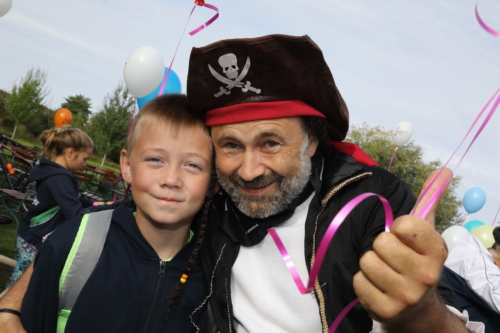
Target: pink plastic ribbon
{"x": 496, "y": 216}
{"x": 484, "y": 26}
{"x": 392, "y": 158}
{"x": 481, "y": 127}
{"x": 192, "y": 33}
{"x": 323, "y": 247}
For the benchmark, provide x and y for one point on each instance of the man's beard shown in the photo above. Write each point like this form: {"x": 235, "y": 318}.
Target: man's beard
{"x": 289, "y": 187}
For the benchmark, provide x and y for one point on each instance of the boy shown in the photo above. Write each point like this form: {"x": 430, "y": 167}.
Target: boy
{"x": 147, "y": 277}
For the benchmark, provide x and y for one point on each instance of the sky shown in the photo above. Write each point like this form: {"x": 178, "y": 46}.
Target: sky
{"x": 427, "y": 62}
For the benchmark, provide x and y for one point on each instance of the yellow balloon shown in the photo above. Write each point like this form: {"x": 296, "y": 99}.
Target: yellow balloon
{"x": 485, "y": 235}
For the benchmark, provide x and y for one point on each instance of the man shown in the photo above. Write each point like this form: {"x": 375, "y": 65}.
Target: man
{"x": 273, "y": 106}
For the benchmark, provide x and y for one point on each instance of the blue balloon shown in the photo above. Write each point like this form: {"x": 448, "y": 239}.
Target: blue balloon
{"x": 471, "y": 225}
{"x": 474, "y": 200}
{"x": 173, "y": 86}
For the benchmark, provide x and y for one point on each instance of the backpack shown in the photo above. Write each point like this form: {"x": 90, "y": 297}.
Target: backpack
{"x": 82, "y": 259}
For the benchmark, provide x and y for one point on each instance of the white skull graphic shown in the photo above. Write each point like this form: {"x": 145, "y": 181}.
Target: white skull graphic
{"x": 229, "y": 65}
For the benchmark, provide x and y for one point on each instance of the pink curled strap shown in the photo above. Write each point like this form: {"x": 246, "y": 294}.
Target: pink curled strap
{"x": 481, "y": 127}
{"x": 203, "y": 26}
{"x": 192, "y": 33}
{"x": 323, "y": 247}
{"x": 484, "y": 26}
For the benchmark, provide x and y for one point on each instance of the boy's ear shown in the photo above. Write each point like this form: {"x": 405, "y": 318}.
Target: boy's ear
{"x": 125, "y": 166}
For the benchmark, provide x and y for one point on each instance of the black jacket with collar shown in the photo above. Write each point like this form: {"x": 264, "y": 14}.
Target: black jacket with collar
{"x": 342, "y": 180}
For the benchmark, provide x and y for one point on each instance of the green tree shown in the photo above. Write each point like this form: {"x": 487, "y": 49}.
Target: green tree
{"x": 409, "y": 166}
{"x": 109, "y": 126}
{"x": 79, "y": 106}
{"x": 26, "y": 98}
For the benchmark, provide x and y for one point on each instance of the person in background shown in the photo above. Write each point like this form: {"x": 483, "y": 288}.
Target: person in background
{"x": 474, "y": 274}
{"x": 57, "y": 192}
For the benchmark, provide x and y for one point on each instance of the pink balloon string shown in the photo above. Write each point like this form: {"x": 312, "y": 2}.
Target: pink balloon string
{"x": 484, "y": 26}
{"x": 392, "y": 158}
{"x": 494, "y": 220}
{"x": 192, "y": 33}
{"x": 323, "y": 247}
{"x": 482, "y": 126}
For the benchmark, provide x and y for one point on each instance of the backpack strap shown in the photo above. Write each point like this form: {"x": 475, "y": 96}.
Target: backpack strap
{"x": 83, "y": 256}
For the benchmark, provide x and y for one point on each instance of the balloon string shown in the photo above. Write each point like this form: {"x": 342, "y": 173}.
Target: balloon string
{"x": 483, "y": 124}
{"x": 484, "y": 26}
{"x": 496, "y": 216}
{"x": 323, "y": 247}
{"x": 192, "y": 33}
{"x": 392, "y": 158}
{"x": 131, "y": 121}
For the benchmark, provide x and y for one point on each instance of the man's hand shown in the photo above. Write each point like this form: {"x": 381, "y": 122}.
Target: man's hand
{"x": 397, "y": 279}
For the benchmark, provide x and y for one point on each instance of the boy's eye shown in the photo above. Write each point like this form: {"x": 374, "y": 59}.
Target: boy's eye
{"x": 194, "y": 166}
{"x": 153, "y": 159}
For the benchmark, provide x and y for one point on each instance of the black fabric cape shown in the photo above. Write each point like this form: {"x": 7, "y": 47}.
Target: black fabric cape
{"x": 353, "y": 239}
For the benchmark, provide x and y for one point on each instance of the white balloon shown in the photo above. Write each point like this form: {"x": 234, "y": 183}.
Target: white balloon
{"x": 454, "y": 235}
{"x": 5, "y": 6}
{"x": 143, "y": 71}
{"x": 402, "y": 133}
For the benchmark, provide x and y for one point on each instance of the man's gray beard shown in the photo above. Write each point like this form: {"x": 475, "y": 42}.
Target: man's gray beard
{"x": 289, "y": 187}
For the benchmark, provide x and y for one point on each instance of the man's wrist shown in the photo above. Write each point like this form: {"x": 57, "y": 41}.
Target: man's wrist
{"x": 430, "y": 315}
{"x": 11, "y": 311}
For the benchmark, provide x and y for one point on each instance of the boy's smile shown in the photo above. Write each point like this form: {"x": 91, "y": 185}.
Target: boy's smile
{"x": 170, "y": 172}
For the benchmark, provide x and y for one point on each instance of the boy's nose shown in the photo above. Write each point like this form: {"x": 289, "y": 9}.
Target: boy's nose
{"x": 171, "y": 177}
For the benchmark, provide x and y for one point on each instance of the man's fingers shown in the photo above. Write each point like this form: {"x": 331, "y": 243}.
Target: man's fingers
{"x": 444, "y": 175}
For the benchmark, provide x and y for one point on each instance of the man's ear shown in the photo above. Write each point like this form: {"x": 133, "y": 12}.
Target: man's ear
{"x": 313, "y": 145}
{"x": 125, "y": 166}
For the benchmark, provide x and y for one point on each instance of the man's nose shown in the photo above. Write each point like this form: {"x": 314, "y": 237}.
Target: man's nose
{"x": 251, "y": 166}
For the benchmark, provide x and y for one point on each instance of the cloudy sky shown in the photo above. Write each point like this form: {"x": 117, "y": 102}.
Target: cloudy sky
{"x": 427, "y": 62}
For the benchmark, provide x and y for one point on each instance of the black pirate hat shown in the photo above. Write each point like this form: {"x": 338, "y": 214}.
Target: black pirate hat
{"x": 268, "y": 77}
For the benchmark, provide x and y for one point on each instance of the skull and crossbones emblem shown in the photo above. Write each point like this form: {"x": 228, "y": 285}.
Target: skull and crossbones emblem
{"x": 229, "y": 65}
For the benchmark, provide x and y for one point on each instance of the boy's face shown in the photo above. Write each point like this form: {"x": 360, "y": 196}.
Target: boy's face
{"x": 169, "y": 173}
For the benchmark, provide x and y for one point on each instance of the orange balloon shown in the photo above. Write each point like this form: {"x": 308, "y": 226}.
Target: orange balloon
{"x": 63, "y": 117}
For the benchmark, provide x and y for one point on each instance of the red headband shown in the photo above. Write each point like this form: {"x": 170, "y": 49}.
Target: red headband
{"x": 239, "y": 113}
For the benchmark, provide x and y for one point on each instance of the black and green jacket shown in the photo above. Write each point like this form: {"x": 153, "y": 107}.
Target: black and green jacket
{"x": 57, "y": 200}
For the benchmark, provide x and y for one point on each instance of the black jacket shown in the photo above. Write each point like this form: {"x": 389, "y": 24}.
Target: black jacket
{"x": 343, "y": 179}
{"x": 123, "y": 288}
{"x": 55, "y": 187}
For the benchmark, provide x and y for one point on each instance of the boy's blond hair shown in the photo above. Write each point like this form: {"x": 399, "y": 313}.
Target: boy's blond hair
{"x": 172, "y": 110}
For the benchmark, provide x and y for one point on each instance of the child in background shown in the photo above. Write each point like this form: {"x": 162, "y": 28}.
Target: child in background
{"x": 148, "y": 277}
{"x": 57, "y": 199}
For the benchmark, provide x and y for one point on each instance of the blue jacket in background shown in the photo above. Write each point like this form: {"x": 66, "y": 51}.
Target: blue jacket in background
{"x": 55, "y": 187}
{"x": 124, "y": 288}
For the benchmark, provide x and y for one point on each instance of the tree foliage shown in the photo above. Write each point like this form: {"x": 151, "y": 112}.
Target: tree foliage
{"x": 79, "y": 106}
{"x": 108, "y": 127}
{"x": 25, "y": 100}
{"x": 409, "y": 166}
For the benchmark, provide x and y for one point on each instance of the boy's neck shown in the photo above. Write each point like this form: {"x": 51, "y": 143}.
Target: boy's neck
{"x": 167, "y": 242}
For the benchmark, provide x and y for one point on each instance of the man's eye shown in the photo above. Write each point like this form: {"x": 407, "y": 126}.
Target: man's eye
{"x": 231, "y": 145}
{"x": 272, "y": 144}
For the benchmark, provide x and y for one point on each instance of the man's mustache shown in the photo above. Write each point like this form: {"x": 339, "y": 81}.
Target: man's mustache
{"x": 258, "y": 182}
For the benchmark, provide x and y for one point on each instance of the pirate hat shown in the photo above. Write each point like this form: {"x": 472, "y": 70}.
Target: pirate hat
{"x": 268, "y": 77}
